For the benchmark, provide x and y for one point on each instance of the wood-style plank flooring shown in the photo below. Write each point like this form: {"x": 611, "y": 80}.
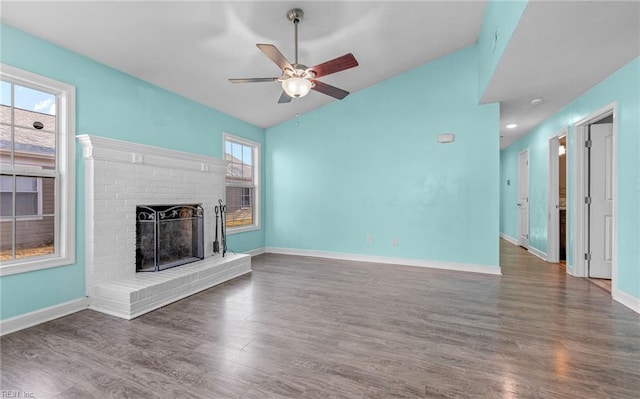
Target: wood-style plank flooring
{"x": 302, "y": 327}
{"x": 605, "y": 284}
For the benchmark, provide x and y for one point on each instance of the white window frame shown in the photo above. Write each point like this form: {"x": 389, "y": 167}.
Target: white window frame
{"x": 256, "y": 181}
{"x": 64, "y": 220}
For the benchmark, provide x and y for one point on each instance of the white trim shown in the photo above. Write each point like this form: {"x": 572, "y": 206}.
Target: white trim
{"x": 30, "y": 319}
{"x": 509, "y": 238}
{"x": 242, "y": 229}
{"x": 64, "y": 219}
{"x": 535, "y": 251}
{"x": 257, "y": 181}
{"x": 627, "y": 300}
{"x": 579, "y": 187}
{"x": 105, "y": 149}
{"x": 462, "y": 267}
{"x": 256, "y": 252}
{"x": 579, "y": 210}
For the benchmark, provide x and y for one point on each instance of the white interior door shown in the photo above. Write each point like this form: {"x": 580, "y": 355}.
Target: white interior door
{"x": 523, "y": 198}
{"x": 601, "y": 209}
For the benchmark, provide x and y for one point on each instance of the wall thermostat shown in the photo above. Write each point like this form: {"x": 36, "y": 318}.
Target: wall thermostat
{"x": 446, "y": 138}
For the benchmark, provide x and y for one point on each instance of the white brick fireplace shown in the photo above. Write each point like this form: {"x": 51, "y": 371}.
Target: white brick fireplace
{"x": 121, "y": 175}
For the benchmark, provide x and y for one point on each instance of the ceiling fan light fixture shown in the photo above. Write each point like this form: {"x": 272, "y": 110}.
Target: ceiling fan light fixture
{"x": 296, "y": 87}
{"x": 297, "y": 79}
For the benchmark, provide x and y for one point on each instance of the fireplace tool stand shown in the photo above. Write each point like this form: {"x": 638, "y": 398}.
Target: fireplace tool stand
{"x": 223, "y": 228}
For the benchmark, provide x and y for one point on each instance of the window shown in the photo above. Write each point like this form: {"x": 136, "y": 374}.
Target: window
{"x": 241, "y": 183}
{"x": 37, "y": 179}
{"x": 28, "y": 196}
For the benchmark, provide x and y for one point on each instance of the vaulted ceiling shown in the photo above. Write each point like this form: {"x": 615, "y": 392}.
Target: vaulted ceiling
{"x": 192, "y": 48}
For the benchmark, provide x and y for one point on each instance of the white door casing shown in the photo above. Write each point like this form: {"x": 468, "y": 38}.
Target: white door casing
{"x": 523, "y": 198}
{"x": 601, "y": 208}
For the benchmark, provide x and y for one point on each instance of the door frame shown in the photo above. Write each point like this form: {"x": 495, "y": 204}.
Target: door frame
{"x": 526, "y": 150}
{"x": 553, "y": 197}
{"x": 579, "y": 224}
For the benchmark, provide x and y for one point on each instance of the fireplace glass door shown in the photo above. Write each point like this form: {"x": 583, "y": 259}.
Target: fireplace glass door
{"x": 168, "y": 236}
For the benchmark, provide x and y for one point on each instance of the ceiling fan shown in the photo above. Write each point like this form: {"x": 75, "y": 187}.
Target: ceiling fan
{"x": 297, "y": 79}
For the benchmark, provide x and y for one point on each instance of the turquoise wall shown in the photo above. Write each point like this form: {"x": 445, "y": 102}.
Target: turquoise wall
{"x": 508, "y": 193}
{"x": 111, "y": 104}
{"x": 500, "y": 18}
{"x": 623, "y": 88}
{"x": 370, "y": 165}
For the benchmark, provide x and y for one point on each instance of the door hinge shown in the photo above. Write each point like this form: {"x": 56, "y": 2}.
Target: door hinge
{"x": 587, "y": 257}
{"x": 587, "y": 200}
{"x": 588, "y": 143}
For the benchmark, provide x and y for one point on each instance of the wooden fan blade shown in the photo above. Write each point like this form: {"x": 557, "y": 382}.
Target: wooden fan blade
{"x": 284, "y": 98}
{"x": 330, "y": 90}
{"x": 252, "y": 80}
{"x": 275, "y": 55}
{"x": 347, "y": 61}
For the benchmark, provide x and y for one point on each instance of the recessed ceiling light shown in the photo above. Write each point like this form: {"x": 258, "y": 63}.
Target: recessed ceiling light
{"x": 536, "y": 101}
{"x": 511, "y": 126}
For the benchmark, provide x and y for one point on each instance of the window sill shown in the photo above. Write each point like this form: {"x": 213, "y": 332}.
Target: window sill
{"x": 244, "y": 229}
{"x": 33, "y": 265}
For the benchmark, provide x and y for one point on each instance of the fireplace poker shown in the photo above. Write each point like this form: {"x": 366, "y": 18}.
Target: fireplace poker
{"x": 216, "y": 243}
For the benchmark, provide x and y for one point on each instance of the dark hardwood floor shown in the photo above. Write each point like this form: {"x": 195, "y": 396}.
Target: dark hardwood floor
{"x": 311, "y": 328}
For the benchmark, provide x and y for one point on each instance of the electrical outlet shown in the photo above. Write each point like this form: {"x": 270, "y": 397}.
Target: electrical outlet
{"x": 369, "y": 239}
{"x": 394, "y": 242}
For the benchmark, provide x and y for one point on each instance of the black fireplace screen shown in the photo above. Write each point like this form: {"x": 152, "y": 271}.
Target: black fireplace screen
{"x": 168, "y": 236}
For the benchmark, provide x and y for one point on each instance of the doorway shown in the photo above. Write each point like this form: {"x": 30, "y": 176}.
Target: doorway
{"x": 594, "y": 180}
{"x": 562, "y": 198}
{"x": 523, "y": 198}
{"x": 557, "y": 200}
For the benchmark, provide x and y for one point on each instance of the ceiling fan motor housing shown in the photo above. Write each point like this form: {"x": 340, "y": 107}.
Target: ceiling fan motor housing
{"x": 295, "y": 15}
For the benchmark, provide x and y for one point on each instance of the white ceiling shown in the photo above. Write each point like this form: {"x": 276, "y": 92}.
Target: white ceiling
{"x": 558, "y": 51}
{"x": 192, "y": 48}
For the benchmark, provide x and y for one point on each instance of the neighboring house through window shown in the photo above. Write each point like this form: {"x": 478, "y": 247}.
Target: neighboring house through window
{"x": 28, "y": 192}
{"x": 37, "y": 179}
{"x": 242, "y": 183}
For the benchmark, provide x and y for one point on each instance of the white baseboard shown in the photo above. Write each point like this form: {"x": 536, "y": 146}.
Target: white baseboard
{"x": 30, "y": 319}
{"x": 462, "y": 267}
{"x": 538, "y": 253}
{"x": 509, "y": 238}
{"x": 627, "y": 300}
{"x": 531, "y": 249}
{"x": 256, "y": 252}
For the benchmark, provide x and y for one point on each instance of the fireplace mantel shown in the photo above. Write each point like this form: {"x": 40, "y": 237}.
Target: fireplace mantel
{"x": 119, "y": 176}
{"x": 111, "y": 150}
